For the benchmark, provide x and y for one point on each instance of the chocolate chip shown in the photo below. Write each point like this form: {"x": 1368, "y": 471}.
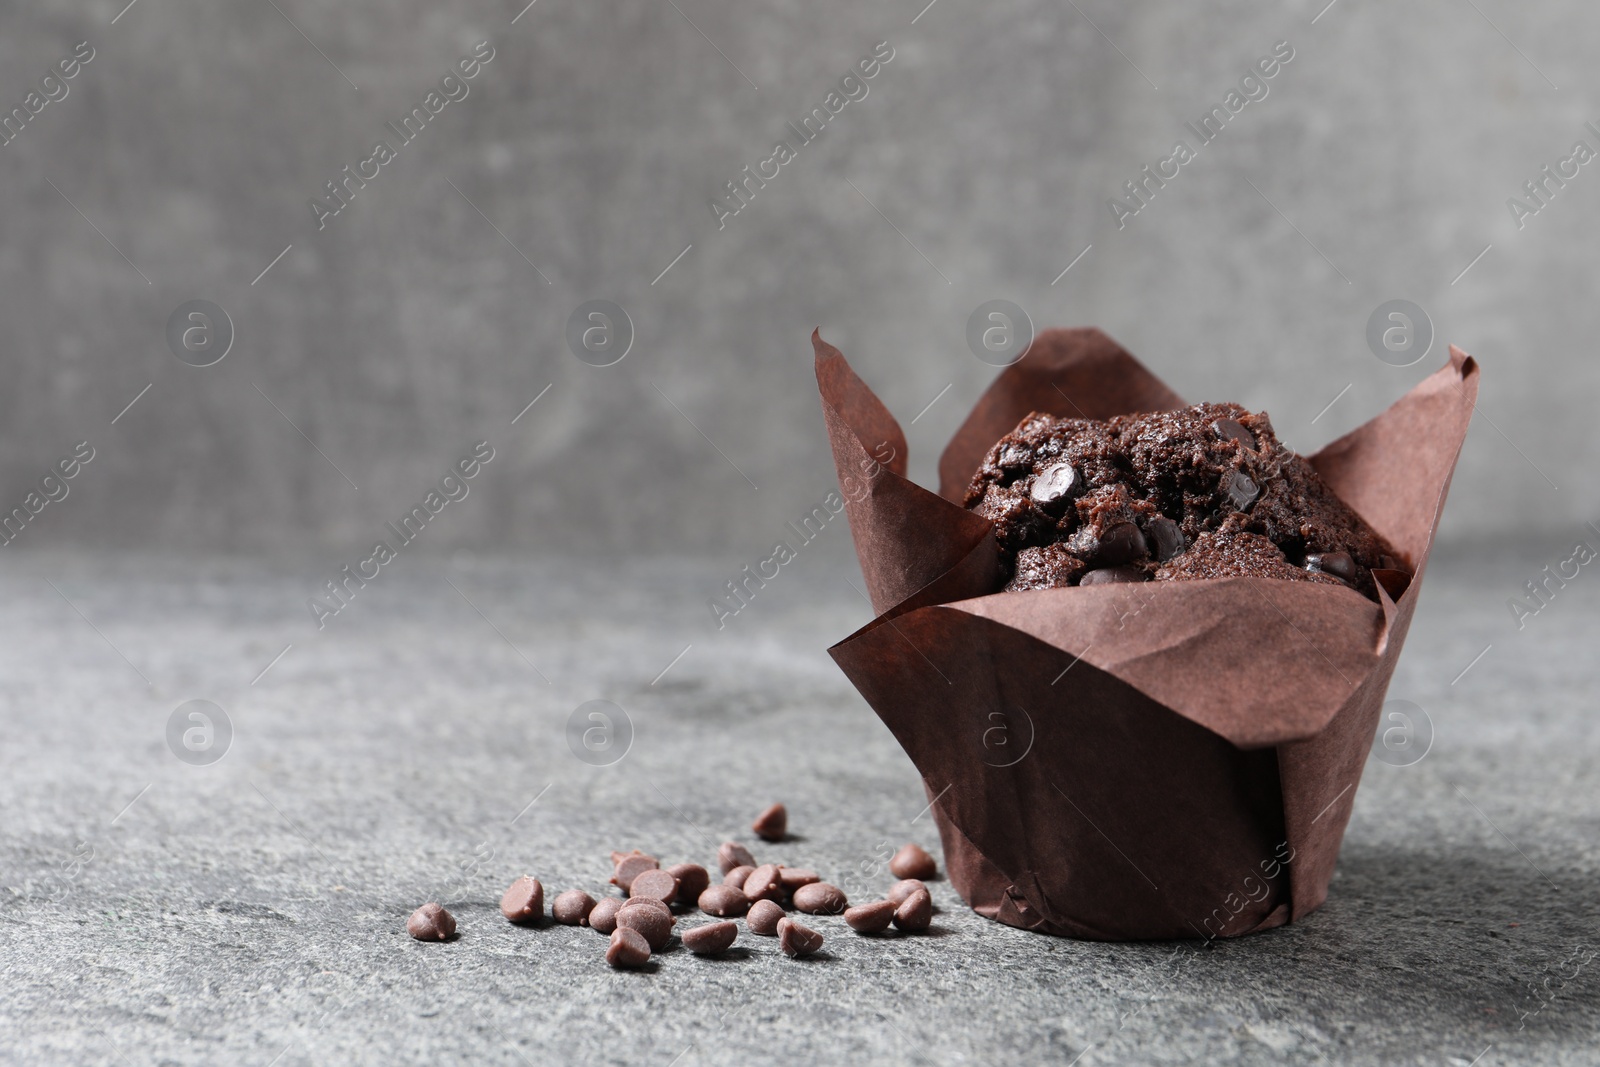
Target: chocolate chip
{"x": 871, "y": 918}
{"x": 652, "y": 904}
{"x": 629, "y": 865}
{"x": 1229, "y": 430}
{"x": 764, "y": 918}
{"x": 712, "y": 939}
{"x": 572, "y": 907}
{"x": 1014, "y": 456}
{"x": 1054, "y": 486}
{"x": 820, "y": 898}
{"x": 898, "y": 892}
{"x": 731, "y": 854}
{"x": 692, "y": 881}
{"x": 1339, "y": 564}
{"x": 1242, "y": 491}
{"x": 763, "y": 883}
{"x": 913, "y": 861}
{"x": 653, "y": 921}
{"x": 628, "y": 948}
{"x": 772, "y": 824}
{"x": 431, "y": 923}
{"x": 1122, "y": 543}
{"x": 724, "y": 901}
{"x": 1113, "y": 576}
{"x": 915, "y": 913}
{"x": 795, "y": 877}
{"x": 657, "y": 885}
{"x": 737, "y": 876}
{"x": 1162, "y": 533}
{"x": 797, "y": 940}
{"x": 603, "y": 916}
{"x": 524, "y": 901}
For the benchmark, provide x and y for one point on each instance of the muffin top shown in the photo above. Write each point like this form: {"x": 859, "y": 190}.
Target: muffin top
{"x": 1203, "y": 492}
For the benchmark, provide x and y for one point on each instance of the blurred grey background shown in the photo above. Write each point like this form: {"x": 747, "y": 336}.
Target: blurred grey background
{"x": 432, "y": 310}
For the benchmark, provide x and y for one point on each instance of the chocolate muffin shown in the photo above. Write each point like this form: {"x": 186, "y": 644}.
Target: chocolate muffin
{"x": 1205, "y": 492}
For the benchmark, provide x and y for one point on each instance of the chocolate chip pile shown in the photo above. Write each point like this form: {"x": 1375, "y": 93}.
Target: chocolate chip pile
{"x": 1206, "y": 492}
{"x": 640, "y": 923}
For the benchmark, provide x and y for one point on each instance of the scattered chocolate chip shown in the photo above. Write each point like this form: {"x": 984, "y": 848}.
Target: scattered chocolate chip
{"x": 629, "y": 865}
{"x": 655, "y": 923}
{"x": 431, "y": 923}
{"x": 572, "y": 908}
{"x": 724, "y": 901}
{"x": 763, "y": 883}
{"x": 772, "y": 824}
{"x": 524, "y": 901}
{"x": 871, "y": 918}
{"x": 795, "y": 877}
{"x": 797, "y": 940}
{"x": 1339, "y": 564}
{"x": 628, "y": 948}
{"x": 913, "y": 861}
{"x": 1054, "y": 486}
{"x": 692, "y": 881}
{"x": 915, "y": 913}
{"x": 712, "y": 939}
{"x": 657, "y": 885}
{"x": 898, "y": 892}
{"x": 731, "y": 854}
{"x": 650, "y": 917}
{"x": 737, "y": 876}
{"x": 1227, "y": 429}
{"x": 764, "y": 917}
{"x": 1113, "y": 576}
{"x": 1164, "y": 535}
{"x": 651, "y": 903}
{"x": 603, "y": 916}
{"x": 1242, "y": 491}
{"x": 820, "y": 898}
{"x": 648, "y": 904}
{"x": 1123, "y": 543}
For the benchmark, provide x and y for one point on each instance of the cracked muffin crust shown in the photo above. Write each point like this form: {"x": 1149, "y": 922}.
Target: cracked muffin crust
{"x": 1204, "y": 492}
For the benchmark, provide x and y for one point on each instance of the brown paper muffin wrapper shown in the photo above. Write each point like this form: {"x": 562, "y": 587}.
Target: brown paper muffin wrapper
{"x": 1145, "y": 761}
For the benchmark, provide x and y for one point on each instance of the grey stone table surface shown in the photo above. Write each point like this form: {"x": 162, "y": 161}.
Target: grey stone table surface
{"x": 252, "y": 911}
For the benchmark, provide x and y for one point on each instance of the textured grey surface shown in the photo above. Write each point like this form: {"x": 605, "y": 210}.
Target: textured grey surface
{"x": 252, "y": 911}
{"x": 409, "y": 328}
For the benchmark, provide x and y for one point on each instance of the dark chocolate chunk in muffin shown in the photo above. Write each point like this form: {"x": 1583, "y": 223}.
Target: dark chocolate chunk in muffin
{"x": 1205, "y": 492}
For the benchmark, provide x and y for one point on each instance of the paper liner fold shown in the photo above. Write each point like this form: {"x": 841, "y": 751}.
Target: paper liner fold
{"x": 1161, "y": 760}
{"x": 914, "y": 536}
{"x": 1079, "y": 374}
